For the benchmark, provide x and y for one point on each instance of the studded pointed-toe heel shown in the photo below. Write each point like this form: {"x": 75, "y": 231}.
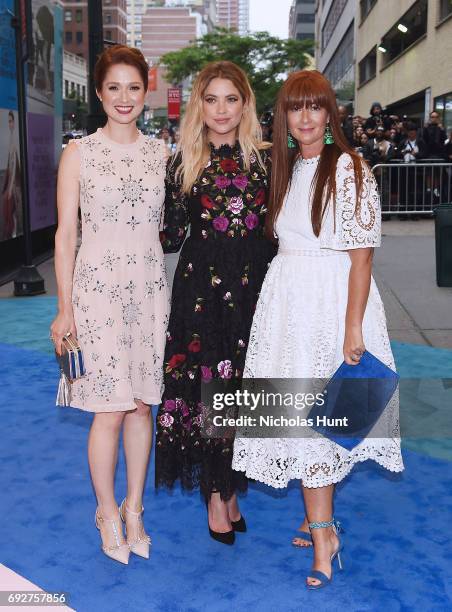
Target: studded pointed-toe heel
{"x": 119, "y": 551}
{"x": 142, "y": 543}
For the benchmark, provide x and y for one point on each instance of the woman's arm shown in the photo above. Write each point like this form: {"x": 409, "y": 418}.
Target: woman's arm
{"x": 65, "y": 241}
{"x": 176, "y": 215}
{"x": 358, "y": 293}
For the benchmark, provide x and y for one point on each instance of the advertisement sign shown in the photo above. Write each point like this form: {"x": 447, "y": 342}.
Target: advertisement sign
{"x": 10, "y": 176}
{"x": 8, "y": 87}
{"x": 174, "y": 99}
{"x": 41, "y": 170}
{"x": 152, "y": 76}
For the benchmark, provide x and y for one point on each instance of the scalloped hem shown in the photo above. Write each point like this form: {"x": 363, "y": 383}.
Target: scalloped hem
{"x": 254, "y": 475}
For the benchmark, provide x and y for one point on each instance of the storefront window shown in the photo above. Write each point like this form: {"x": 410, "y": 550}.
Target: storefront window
{"x": 443, "y": 105}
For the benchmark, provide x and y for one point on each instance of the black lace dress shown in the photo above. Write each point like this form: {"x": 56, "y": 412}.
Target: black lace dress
{"x": 216, "y": 285}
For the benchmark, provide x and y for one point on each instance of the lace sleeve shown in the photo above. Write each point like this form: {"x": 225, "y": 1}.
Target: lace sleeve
{"x": 356, "y": 225}
{"x": 176, "y": 213}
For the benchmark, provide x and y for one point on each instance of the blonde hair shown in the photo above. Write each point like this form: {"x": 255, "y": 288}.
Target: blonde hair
{"x": 193, "y": 145}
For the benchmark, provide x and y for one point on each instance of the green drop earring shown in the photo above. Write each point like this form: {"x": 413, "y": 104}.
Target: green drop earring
{"x": 328, "y": 136}
{"x": 290, "y": 141}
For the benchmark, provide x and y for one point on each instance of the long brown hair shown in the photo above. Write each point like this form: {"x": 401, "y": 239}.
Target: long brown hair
{"x": 307, "y": 87}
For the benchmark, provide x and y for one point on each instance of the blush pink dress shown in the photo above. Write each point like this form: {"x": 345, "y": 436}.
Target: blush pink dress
{"x": 120, "y": 294}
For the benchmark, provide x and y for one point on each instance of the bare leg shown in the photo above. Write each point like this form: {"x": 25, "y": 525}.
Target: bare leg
{"x": 233, "y": 508}
{"x": 137, "y": 438}
{"x": 319, "y": 507}
{"x": 218, "y": 516}
{"x": 103, "y": 456}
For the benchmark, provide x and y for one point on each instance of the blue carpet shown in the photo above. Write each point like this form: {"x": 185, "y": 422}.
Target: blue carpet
{"x": 397, "y": 542}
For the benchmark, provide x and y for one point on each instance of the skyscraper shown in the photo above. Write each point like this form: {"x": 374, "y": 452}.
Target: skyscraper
{"x": 135, "y": 11}
{"x": 137, "y": 8}
{"x": 165, "y": 29}
{"x": 302, "y": 20}
{"x": 234, "y": 14}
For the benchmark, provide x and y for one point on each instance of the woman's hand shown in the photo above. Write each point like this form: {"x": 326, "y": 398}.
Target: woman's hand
{"x": 62, "y": 324}
{"x": 353, "y": 345}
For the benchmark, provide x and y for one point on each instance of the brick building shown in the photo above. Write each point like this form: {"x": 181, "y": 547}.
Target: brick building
{"x": 75, "y": 15}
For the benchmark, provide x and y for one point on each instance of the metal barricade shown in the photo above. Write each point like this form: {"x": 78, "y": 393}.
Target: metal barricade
{"x": 414, "y": 188}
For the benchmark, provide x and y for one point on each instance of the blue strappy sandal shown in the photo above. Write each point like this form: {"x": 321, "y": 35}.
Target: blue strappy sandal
{"x": 318, "y": 575}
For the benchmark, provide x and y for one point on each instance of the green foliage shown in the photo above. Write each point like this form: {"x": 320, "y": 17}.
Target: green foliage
{"x": 265, "y": 58}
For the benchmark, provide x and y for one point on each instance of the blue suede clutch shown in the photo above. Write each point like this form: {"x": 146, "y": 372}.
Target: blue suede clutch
{"x": 353, "y": 400}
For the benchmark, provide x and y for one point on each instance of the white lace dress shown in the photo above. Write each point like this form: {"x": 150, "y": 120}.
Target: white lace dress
{"x": 299, "y": 325}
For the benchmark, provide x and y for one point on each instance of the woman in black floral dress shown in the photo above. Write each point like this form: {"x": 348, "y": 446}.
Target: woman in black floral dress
{"x": 217, "y": 186}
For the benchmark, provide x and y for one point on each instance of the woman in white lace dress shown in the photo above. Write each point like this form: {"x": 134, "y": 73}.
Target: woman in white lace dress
{"x": 319, "y": 304}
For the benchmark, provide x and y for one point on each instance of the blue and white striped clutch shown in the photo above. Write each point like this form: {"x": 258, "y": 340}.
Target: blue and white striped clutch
{"x": 71, "y": 367}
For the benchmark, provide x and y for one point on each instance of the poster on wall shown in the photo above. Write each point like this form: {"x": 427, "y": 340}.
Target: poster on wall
{"x": 41, "y": 63}
{"x": 43, "y": 78}
{"x": 10, "y": 176}
{"x": 10, "y": 189}
{"x": 43, "y": 74}
{"x": 41, "y": 170}
{"x": 8, "y": 87}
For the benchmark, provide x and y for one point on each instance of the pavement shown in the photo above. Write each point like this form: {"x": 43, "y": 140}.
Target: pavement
{"x": 417, "y": 311}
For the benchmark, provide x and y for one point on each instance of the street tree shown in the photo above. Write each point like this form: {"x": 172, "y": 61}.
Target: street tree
{"x": 266, "y": 59}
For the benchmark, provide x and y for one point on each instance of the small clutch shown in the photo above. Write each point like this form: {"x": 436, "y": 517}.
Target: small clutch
{"x": 359, "y": 393}
{"x": 71, "y": 367}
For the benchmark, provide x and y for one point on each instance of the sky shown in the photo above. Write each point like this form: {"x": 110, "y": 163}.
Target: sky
{"x": 271, "y": 16}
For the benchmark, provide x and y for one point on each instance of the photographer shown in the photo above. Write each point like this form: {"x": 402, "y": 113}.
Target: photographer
{"x": 381, "y": 149}
{"x": 412, "y": 147}
{"x": 376, "y": 119}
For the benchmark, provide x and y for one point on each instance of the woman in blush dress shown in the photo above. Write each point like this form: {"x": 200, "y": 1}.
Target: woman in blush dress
{"x": 319, "y": 304}
{"x": 216, "y": 184}
{"x": 115, "y": 298}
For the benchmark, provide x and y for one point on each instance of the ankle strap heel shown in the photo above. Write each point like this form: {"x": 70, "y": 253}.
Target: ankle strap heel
{"x": 141, "y": 544}
{"x": 120, "y": 550}
{"x": 322, "y": 578}
{"x": 333, "y": 523}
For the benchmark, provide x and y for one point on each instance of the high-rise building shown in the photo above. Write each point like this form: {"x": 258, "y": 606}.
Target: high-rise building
{"x": 75, "y": 15}
{"x": 137, "y": 8}
{"x": 302, "y": 20}
{"x": 165, "y": 29}
{"x": 234, "y": 14}
{"x": 135, "y": 11}
{"x": 335, "y": 25}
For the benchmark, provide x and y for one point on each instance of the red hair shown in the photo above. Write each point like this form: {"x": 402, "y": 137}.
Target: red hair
{"x": 120, "y": 54}
{"x": 305, "y": 88}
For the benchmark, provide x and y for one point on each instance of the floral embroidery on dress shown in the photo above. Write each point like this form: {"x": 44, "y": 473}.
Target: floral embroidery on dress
{"x": 221, "y": 268}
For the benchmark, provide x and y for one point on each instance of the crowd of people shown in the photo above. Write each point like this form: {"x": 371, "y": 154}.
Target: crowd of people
{"x": 379, "y": 138}
{"x": 382, "y": 138}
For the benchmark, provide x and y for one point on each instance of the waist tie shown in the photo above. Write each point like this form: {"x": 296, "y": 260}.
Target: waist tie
{"x": 309, "y": 252}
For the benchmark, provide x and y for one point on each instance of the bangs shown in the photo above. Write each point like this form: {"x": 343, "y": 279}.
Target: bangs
{"x": 305, "y": 92}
